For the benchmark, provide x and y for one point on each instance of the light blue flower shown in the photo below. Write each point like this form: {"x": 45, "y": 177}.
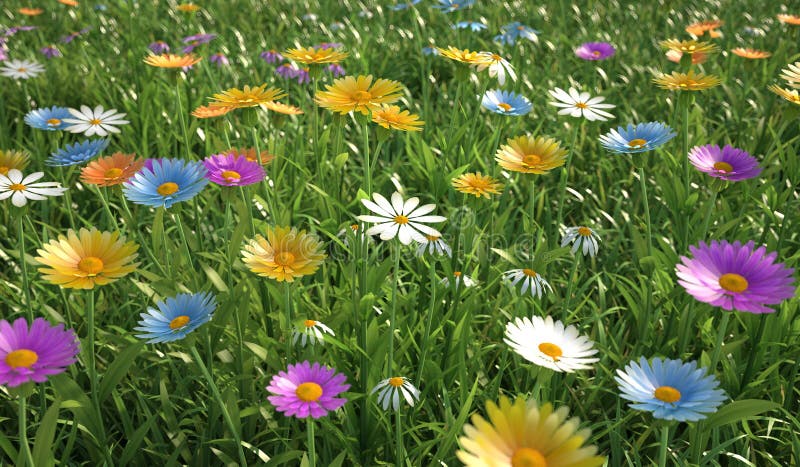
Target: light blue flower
{"x": 176, "y": 317}
{"x": 51, "y": 119}
{"x": 449, "y": 6}
{"x": 77, "y": 153}
{"x": 511, "y": 32}
{"x": 640, "y": 138}
{"x": 670, "y": 389}
{"x": 430, "y": 51}
{"x": 170, "y": 181}
{"x": 473, "y": 25}
{"x": 506, "y": 103}
{"x": 405, "y": 5}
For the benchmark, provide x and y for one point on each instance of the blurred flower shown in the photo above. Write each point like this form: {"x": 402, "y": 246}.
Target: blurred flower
{"x": 21, "y": 69}
{"x": 234, "y": 98}
{"x": 404, "y": 6}
{"x": 315, "y": 56}
{"x": 50, "y": 51}
{"x": 158, "y": 47}
{"x": 284, "y": 255}
{"x": 527, "y": 154}
{"x": 250, "y": 154}
{"x": 20, "y": 189}
{"x": 670, "y": 389}
{"x": 790, "y": 95}
{"x": 210, "y": 112}
{"x": 30, "y": 11}
{"x": 392, "y": 118}
{"x": 77, "y": 153}
{"x": 463, "y": 56}
{"x": 735, "y": 276}
{"x": 111, "y": 170}
{"x": 336, "y": 70}
{"x": 271, "y": 56}
{"x": 169, "y": 181}
{"x": 497, "y": 65}
{"x": 512, "y": 32}
{"x": 336, "y": 26}
{"x": 525, "y": 434}
{"x": 751, "y": 31}
{"x": 233, "y": 170}
{"x": 188, "y": 7}
{"x": 219, "y": 59}
{"x": 402, "y": 219}
{"x": 640, "y": 138}
{"x": 98, "y": 122}
{"x": 581, "y": 104}
{"x": 305, "y": 390}
{"x": 329, "y": 45}
{"x": 595, "y": 51}
{"x": 506, "y": 103}
{"x": 68, "y": 2}
{"x": 449, "y": 6}
{"x": 434, "y": 245}
{"x": 550, "y": 344}
{"x": 700, "y": 28}
{"x": 282, "y": 108}
{"x": 789, "y": 19}
{"x": 675, "y": 56}
{"x": 390, "y": 389}
{"x": 431, "y": 50}
{"x": 171, "y": 60}
{"x": 13, "y": 160}
{"x": 690, "y": 81}
{"x": 729, "y": 163}
{"x": 689, "y": 47}
{"x": 87, "y": 258}
{"x": 310, "y": 17}
{"x": 287, "y": 70}
{"x": 791, "y": 74}
{"x": 51, "y": 119}
{"x": 34, "y": 353}
{"x": 473, "y": 25}
{"x": 358, "y": 94}
{"x": 459, "y": 278}
{"x": 73, "y": 35}
{"x": 302, "y": 76}
{"x": 531, "y": 280}
{"x": 311, "y": 332}
{"x": 176, "y": 317}
{"x": 196, "y": 40}
{"x": 584, "y": 236}
{"x": 751, "y": 53}
{"x": 477, "y": 185}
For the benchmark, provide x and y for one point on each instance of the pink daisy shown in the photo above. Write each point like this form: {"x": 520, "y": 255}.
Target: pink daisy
{"x": 305, "y": 390}
{"x": 728, "y": 163}
{"x": 233, "y": 170}
{"x": 33, "y": 354}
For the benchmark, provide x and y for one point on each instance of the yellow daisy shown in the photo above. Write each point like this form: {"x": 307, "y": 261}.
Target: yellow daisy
{"x": 235, "y": 98}
{"x": 359, "y": 94}
{"x": 171, "y": 60}
{"x": 751, "y": 53}
{"x": 791, "y": 74}
{"x": 790, "y": 95}
{"x": 210, "y": 112}
{"x": 463, "y": 56}
{"x": 477, "y": 184}
{"x": 188, "y": 7}
{"x": 390, "y": 116}
{"x": 689, "y": 47}
{"x": 527, "y": 154}
{"x": 87, "y": 258}
{"x": 13, "y": 160}
{"x": 284, "y": 255}
{"x": 312, "y": 56}
{"x": 690, "y": 81}
{"x": 524, "y": 434}
{"x": 282, "y": 108}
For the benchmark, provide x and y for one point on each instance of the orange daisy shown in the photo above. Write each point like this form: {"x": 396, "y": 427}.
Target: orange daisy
{"x": 171, "y": 60}
{"x": 250, "y": 154}
{"x": 282, "y": 108}
{"x": 751, "y": 53}
{"x": 700, "y": 28}
{"x": 188, "y": 7}
{"x": 205, "y": 111}
{"x": 30, "y": 11}
{"x": 675, "y": 56}
{"x": 789, "y": 19}
{"x": 111, "y": 170}
{"x": 68, "y": 2}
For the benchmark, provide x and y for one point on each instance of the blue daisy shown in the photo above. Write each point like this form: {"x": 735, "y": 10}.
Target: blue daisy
{"x": 473, "y": 25}
{"x": 405, "y": 5}
{"x": 640, "y": 138}
{"x": 168, "y": 181}
{"x": 77, "y": 153}
{"x": 430, "y": 51}
{"x": 449, "y": 6}
{"x": 506, "y": 103}
{"x": 670, "y": 389}
{"x": 176, "y": 317}
{"x": 51, "y": 119}
{"x": 512, "y": 32}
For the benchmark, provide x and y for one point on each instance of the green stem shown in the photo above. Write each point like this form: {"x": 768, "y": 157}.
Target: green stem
{"x": 102, "y": 193}
{"x": 428, "y": 322}
{"x": 398, "y": 440}
{"x": 648, "y": 294}
{"x": 132, "y": 226}
{"x": 562, "y": 185}
{"x": 392, "y": 314}
{"x": 287, "y": 288}
{"x": 662, "y": 452}
{"x": 533, "y": 216}
{"x": 367, "y": 166}
{"x": 723, "y": 328}
{"x": 312, "y": 454}
{"x": 571, "y": 282}
{"x": 24, "y": 266}
{"x": 685, "y": 158}
{"x": 186, "y": 247}
{"x": 712, "y": 203}
{"x": 91, "y": 364}
{"x": 24, "y": 448}
{"x": 751, "y": 358}
{"x": 182, "y": 119}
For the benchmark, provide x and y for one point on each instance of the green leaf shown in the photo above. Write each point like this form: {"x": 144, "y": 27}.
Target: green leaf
{"x": 118, "y": 369}
{"x": 213, "y": 276}
{"x": 75, "y": 399}
{"x": 739, "y": 410}
{"x": 43, "y": 448}
{"x": 157, "y": 237}
{"x": 340, "y": 160}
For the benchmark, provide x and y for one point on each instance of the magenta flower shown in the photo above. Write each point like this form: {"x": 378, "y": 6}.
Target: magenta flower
{"x": 158, "y": 47}
{"x": 734, "y": 276}
{"x": 271, "y": 56}
{"x": 233, "y": 170}
{"x": 33, "y": 354}
{"x": 729, "y": 163}
{"x": 595, "y": 51}
{"x": 305, "y": 390}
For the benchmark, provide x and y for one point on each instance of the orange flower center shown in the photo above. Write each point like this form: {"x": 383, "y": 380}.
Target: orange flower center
{"x": 551, "y": 350}
{"x": 581, "y": 105}
{"x": 4, "y": 170}
{"x": 667, "y": 394}
{"x": 457, "y": 273}
{"x": 505, "y": 107}
{"x": 22, "y": 69}
{"x": 54, "y": 122}
{"x": 94, "y": 121}
{"x": 112, "y": 173}
{"x": 400, "y": 219}
{"x": 21, "y": 358}
{"x": 596, "y": 53}
{"x": 231, "y": 175}
{"x": 637, "y": 143}
{"x": 91, "y": 265}
{"x": 733, "y": 283}
{"x": 354, "y": 227}
{"x": 362, "y": 97}
{"x": 584, "y": 231}
{"x": 16, "y": 186}
{"x": 284, "y": 258}
{"x": 723, "y": 166}
{"x": 496, "y": 58}
{"x": 396, "y": 382}
{"x": 528, "y": 457}
{"x": 531, "y": 159}
{"x": 179, "y": 322}
{"x": 310, "y": 323}
{"x": 166, "y": 189}
{"x": 308, "y": 392}
{"x": 432, "y": 238}
{"x": 529, "y": 272}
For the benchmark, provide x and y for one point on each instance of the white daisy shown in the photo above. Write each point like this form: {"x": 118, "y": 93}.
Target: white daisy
{"x": 497, "y": 65}
{"x": 581, "y": 104}
{"x": 434, "y": 245}
{"x": 390, "y": 390}
{"x": 550, "y": 344}
{"x": 460, "y": 278}
{"x": 311, "y": 332}
{"x": 20, "y": 189}
{"x": 530, "y": 280}
{"x": 400, "y": 219}
{"x": 21, "y": 69}
{"x": 99, "y": 121}
{"x": 581, "y": 236}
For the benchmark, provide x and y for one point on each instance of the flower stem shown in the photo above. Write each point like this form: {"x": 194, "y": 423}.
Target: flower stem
{"x": 367, "y": 166}
{"x": 662, "y": 452}
{"x": 24, "y": 266}
{"x": 709, "y": 210}
{"x": 748, "y": 369}
{"x": 182, "y": 119}
{"x": 685, "y": 158}
{"x": 394, "y": 306}
{"x": 571, "y": 282}
{"x": 287, "y": 288}
{"x": 24, "y": 448}
{"x": 398, "y": 440}
{"x": 533, "y": 216}
{"x": 132, "y": 226}
{"x": 103, "y": 193}
{"x": 428, "y": 321}
{"x": 186, "y": 245}
{"x": 562, "y": 185}
{"x": 723, "y": 328}
{"x": 645, "y": 319}
{"x": 312, "y": 454}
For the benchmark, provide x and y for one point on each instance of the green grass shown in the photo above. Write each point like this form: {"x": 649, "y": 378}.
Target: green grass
{"x": 155, "y": 406}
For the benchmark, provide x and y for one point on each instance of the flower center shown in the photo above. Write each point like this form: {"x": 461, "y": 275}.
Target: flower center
{"x": 520, "y": 28}
{"x": 432, "y": 238}
{"x": 689, "y": 83}
{"x": 166, "y": 189}
{"x": 362, "y": 97}
{"x": 527, "y": 457}
{"x": 54, "y": 122}
{"x": 667, "y": 394}
{"x": 112, "y": 173}
{"x": 596, "y": 53}
{"x": 22, "y": 69}
{"x": 354, "y": 227}
{"x": 551, "y": 350}
{"x": 581, "y": 105}
{"x": 21, "y": 358}
{"x": 400, "y": 219}
{"x": 284, "y": 258}
{"x": 637, "y": 143}
{"x": 309, "y": 323}
{"x": 457, "y": 273}
{"x": 733, "y": 283}
{"x": 497, "y": 58}
{"x": 308, "y": 392}
{"x": 529, "y": 272}
{"x": 16, "y": 186}
{"x": 584, "y": 231}
{"x": 4, "y": 170}
{"x": 91, "y": 265}
{"x": 723, "y": 167}
{"x": 396, "y": 381}
{"x": 94, "y": 121}
{"x": 531, "y": 159}
{"x": 505, "y": 107}
{"x": 231, "y": 175}
{"x": 179, "y": 322}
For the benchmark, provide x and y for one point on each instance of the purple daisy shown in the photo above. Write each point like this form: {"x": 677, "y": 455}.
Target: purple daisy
{"x": 271, "y": 56}
{"x": 219, "y": 59}
{"x": 305, "y": 390}
{"x": 287, "y": 70}
{"x": 302, "y": 76}
{"x": 336, "y": 70}
{"x": 33, "y": 354}
{"x": 734, "y": 276}
{"x": 595, "y": 51}
{"x": 233, "y": 170}
{"x": 729, "y": 163}
{"x": 196, "y": 40}
{"x": 158, "y": 47}
{"x": 50, "y": 51}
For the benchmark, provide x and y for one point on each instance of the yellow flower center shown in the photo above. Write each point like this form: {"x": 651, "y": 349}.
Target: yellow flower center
{"x": 16, "y": 187}
{"x": 596, "y": 53}
{"x": 54, "y": 122}
{"x": 94, "y": 121}
{"x": 520, "y": 28}
{"x": 362, "y": 97}
{"x": 432, "y": 238}
{"x": 531, "y": 159}
{"x": 231, "y": 175}
{"x": 529, "y": 272}
{"x": 396, "y": 381}
{"x": 505, "y": 107}
{"x": 91, "y": 265}
{"x": 457, "y": 273}
{"x": 179, "y": 322}
{"x": 284, "y": 258}
{"x": 667, "y": 394}
{"x": 497, "y": 58}
{"x": 112, "y": 173}
{"x": 733, "y": 283}
{"x": 21, "y": 358}
{"x": 166, "y": 189}
{"x": 309, "y": 323}
{"x": 584, "y": 231}
{"x": 528, "y": 457}
{"x": 354, "y": 227}
{"x": 551, "y": 350}
{"x": 400, "y": 219}
{"x": 22, "y": 69}
{"x": 581, "y": 105}
{"x": 637, "y": 143}
{"x": 4, "y": 170}
{"x": 689, "y": 83}
{"x": 308, "y": 392}
{"x": 723, "y": 166}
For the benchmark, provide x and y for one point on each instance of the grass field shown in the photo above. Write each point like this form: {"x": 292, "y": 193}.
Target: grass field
{"x": 202, "y": 399}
